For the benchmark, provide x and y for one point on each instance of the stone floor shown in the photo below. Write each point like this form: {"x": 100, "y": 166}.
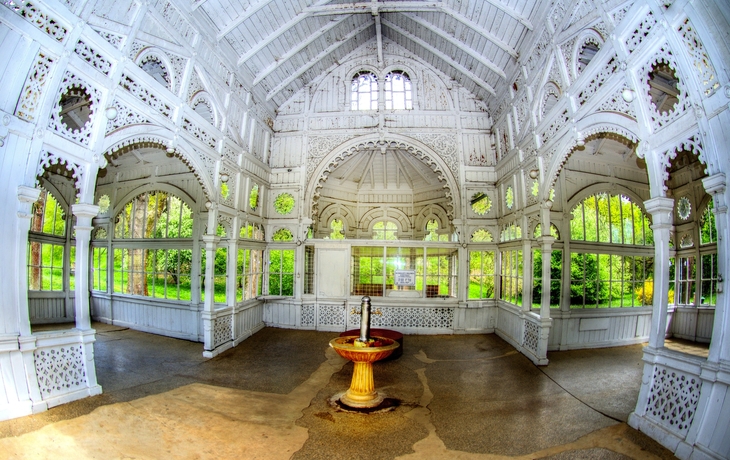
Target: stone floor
{"x": 460, "y": 397}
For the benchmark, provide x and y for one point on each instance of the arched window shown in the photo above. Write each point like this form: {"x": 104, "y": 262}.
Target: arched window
{"x": 617, "y": 274}
{"x": 432, "y": 232}
{"x": 481, "y": 236}
{"x": 337, "y": 230}
{"x": 385, "y": 230}
{"x": 46, "y": 245}
{"x": 398, "y": 91}
{"x": 364, "y": 91}
{"x": 143, "y": 264}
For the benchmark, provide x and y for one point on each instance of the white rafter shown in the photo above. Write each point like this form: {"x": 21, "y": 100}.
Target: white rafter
{"x": 239, "y": 20}
{"x": 454, "y": 41}
{"x": 517, "y": 16}
{"x": 479, "y": 29}
{"x": 301, "y": 16}
{"x": 401, "y": 7}
{"x": 442, "y": 56}
{"x": 289, "y": 54}
{"x": 367, "y": 7}
{"x": 316, "y": 59}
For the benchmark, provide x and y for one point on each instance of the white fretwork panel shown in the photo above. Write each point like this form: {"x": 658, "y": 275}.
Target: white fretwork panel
{"x": 39, "y": 18}
{"x": 702, "y": 64}
{"x": 34, "y": 87}
{"x": 423, "y": 317}
{"x": 307, "y": 319}
{"x": 73, "y": 86}
{"x": 93, "y": 57}
{"x": 222, "y": 331}
{"x": 641, "y": 32}
{"x": 531, "y": 336}
{"x": 331, "y": 315}
{"x": 125, "y": 116}
{"x": 144, "y": 95}
{"x": 60, "y": 369}
{"x": 673, "y": 398}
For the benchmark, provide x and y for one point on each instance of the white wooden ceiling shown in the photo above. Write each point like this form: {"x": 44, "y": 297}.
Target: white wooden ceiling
{"x": 285, "y": 44}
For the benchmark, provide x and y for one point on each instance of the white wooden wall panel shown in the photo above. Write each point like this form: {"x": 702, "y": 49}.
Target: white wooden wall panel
{"x": 478, "y": 320}
{"x": 584, "y": 330}
{"x": 48, "y": 310}
{"x": 168, "y": 319}
{"x": 509, "y": 325}
{"x": 248, "y": 320}
{"x": 692, "y": 323}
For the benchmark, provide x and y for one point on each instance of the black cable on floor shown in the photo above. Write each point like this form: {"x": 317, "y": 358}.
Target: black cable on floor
{"x": 577, "y": 398}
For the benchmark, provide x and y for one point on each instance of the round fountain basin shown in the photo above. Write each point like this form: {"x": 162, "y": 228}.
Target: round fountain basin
{"x": 387, "y": 333}
{"x": 345, "y": 347}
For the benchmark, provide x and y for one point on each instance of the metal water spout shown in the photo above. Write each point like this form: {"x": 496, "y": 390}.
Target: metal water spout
{"x": 365, "y": 319}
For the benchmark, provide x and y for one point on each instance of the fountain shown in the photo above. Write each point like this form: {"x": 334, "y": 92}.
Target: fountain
{"x": 363, "y": 351}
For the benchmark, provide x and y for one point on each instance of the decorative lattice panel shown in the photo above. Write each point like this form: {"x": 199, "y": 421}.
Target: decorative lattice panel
{"x": 641, "y": 32}
{"x": 531, "y": 337}
{"x": 702, "y": 64}
{"x": 60, "y": 369}
{"x": 144, "y": 95}
{"x": 199, "y": 133}
{"x": 222, "y": 330}
{"x": 93, "y": 57}
{"x": 307, "y": 315}
{"x": 673, "y": 398}
{"x": 125, "y": 116}
{"x": 34, "y": 87}
{"x": 425, "y": 317}
{"x": 39, "y": 18}
{"x": 331, "y": 315}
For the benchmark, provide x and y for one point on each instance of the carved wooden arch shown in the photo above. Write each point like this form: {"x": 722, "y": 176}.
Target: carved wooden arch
{"x": 122, "y": 140}
{"x": 160, "y": 56}
{"x": 431, "y": 212}
{"x": 370, "y": 218}
{"x": 338, "y": 211}
{"x": 330, "y": 161}
{"x": 587, "y": 36}
{"x": 203, "y": 97}
{"x": 592, "y": 125}
{"x": 154, "y": 187}
{"x": 604, "y": 187}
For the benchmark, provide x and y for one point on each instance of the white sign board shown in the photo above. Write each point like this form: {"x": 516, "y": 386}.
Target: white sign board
{"x": 405, "y": 277}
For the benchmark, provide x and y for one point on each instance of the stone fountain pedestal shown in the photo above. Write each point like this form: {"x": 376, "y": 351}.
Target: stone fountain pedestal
{"x": 362, "y": 394}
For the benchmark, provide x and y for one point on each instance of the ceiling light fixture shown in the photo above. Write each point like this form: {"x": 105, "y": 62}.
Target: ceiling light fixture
{"x": 628, "y": 94}
{"x": 224, "y": 178}
{"x": 111, "y": 112}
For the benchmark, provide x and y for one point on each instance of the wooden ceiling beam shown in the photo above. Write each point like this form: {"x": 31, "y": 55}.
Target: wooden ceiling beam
{"x": 481, "y": 30}
{"x": 292, "y": 52}
{"x": 240, "y": 19}
{"x": 315, "y": 60}
{"x": 454, "y": 41}
{"x": 441, "y": 56}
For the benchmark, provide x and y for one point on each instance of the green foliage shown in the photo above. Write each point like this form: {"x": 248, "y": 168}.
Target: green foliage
{"x": 337, "y": 232}
{"x": 253, "y": 198}
{"x": 481, "y": 204}
{"x": 708, "y": 230}
{"x": 481, "y": 236}
{"x": 284, "y": 203}
{"x": 281, "y": 272}
{"x": 481, "y": 274}
{"x": 605, "y": 218}
{"x": 282, "y": 235}
{"x": 556, "y": 271}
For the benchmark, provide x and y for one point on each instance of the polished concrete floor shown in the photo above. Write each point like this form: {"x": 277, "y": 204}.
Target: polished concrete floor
{"x": 460, "y": 397}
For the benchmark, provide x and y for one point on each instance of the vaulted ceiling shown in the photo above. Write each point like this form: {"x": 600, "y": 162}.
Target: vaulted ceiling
{"x": 283, "y": 45}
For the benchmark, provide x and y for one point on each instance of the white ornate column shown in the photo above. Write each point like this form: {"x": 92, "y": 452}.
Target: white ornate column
{"x": 26, "y": 342}
{"x": 211, "y": 243}
{"x": 84, "y": 212}
{"x": 715, "y": 185}
{"x": 660, "y": 209}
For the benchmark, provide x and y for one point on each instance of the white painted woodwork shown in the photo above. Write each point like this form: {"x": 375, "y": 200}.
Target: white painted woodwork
{"x": 499, "y": 91}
